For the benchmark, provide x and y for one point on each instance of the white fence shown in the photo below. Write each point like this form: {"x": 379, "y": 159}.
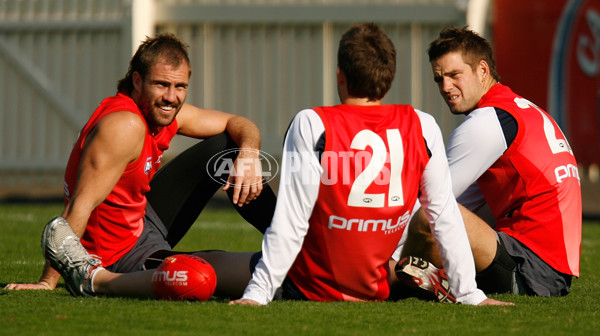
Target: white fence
{"x": 265, "y": 60}
{"x": 268, "y": 61}
{"x": 57, "y": 60}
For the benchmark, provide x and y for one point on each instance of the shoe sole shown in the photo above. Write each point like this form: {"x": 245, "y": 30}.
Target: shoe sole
{"x": 48, "y": 231}
{"x": 413, "y": 270}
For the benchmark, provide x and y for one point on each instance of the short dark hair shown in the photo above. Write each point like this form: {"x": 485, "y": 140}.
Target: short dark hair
{"x": 367, "y": 57}
{"x": 163, "y": 47}
{"x": 473, "y": 47}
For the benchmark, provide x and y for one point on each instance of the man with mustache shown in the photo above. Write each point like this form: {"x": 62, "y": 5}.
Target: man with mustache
{"x": 128, "y": 214}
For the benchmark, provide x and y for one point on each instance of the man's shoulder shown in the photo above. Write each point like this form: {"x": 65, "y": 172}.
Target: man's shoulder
{"x": 478, "y": 121}
{"x": 307, "y": 119}
{"x": 123, "y": 122}
{"x": 308, "y": 113}
{"x": 114, "y": 104}
{"x": 115, "y": 108}
{"x": 500, "y": 96}
{"x": 118, "y": 101}
{"x": 425, "y": 117}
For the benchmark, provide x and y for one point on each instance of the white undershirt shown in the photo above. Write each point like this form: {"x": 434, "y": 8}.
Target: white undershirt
{"x": 298, "y": 191}
{"x": 473, "y": 147}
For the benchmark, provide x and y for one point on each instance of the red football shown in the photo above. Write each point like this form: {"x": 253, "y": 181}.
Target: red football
{"x": 184, "y": 277}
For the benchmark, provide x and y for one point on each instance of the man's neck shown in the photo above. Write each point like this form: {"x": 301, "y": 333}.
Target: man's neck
{"x": 489, "y": 84}
{"x": 360, "y": 101}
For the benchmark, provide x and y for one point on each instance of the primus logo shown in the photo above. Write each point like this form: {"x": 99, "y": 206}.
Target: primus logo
{"x": 562, "y": 172}
{"x": 180, "y": 277}
{"x": 362, "y": 225}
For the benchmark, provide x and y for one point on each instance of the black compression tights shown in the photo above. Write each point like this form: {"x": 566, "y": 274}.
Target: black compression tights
{"x": 181, "y": 189}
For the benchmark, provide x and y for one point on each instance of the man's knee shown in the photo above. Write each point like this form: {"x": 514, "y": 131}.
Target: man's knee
{"x": 499, "y": 276}
{"x": 419, "y": 226}
{"x": 420, "y": 241}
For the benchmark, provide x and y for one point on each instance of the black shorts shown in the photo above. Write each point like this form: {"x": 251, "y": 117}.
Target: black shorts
{"x": 289, "y": 291}
{"x": 152, "y": 239}
{"x": 179, "y": 191}
{"x": 517, "y": 270}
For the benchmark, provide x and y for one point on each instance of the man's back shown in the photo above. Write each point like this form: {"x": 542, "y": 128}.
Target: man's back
{"x": 372, "y": 161}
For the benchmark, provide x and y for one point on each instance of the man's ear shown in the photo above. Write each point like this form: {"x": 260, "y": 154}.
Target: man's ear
{"x": 341, "y": 77}
{"x": 137, "y": 81}
{"x": 483, "y": 70}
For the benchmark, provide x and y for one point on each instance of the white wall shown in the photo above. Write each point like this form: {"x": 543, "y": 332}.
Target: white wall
{"x": 265, "y": 60}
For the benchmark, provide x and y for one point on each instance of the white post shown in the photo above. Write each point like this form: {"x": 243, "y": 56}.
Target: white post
{"x": 142, "y": 21}
{"x": 329, "y": 66}
{"x": 416, "y": 59}
{"x": 477, "y": 11}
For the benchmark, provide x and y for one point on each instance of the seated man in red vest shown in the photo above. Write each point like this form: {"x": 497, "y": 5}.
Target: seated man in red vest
{"x": 511, "y": 157}
{"x": 351, "y": 174}
{"x": 128, "y": 214}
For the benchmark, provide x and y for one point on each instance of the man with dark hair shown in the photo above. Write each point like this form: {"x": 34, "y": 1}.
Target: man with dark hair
{"x": 127, "y": 213}
{"x": 351, "y": 174}
{"x": 510, "y": 157}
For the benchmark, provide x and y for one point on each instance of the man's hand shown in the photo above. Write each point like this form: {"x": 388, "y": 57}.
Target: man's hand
{"x": 492, "y": 302}
{"x": 244, "y": 302}
{"x": 42, "y": 285}
{"x": 246, "y": 177}
{"x": 47, "y": 281}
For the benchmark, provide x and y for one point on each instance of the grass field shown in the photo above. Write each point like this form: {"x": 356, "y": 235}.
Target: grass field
{"x": 57, "y": 313}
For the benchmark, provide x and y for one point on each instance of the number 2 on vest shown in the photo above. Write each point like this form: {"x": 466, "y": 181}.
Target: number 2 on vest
{"x": 358, "y": 196}
{"x": 556, "y": 145}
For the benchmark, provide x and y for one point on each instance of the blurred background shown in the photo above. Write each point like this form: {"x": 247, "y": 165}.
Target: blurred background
{"x": 268, "y": 59}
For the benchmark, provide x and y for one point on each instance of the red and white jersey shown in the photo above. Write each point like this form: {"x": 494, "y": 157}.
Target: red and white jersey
{"x": 372, "y": 164}
{"x": 532, "y": 186}
{"x": 339, "y": 217}
{"x": 116, "y": 224}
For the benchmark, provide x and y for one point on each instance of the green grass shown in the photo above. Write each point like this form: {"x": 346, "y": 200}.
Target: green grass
{"x": 57, "y": 313}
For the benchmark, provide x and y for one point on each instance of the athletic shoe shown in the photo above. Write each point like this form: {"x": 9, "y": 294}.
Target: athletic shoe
{"x": 421, "y": 274}
{"x": 64, "y": 252}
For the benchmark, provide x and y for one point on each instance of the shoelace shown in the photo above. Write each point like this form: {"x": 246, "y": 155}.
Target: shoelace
{"x": 73, "y": 247}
